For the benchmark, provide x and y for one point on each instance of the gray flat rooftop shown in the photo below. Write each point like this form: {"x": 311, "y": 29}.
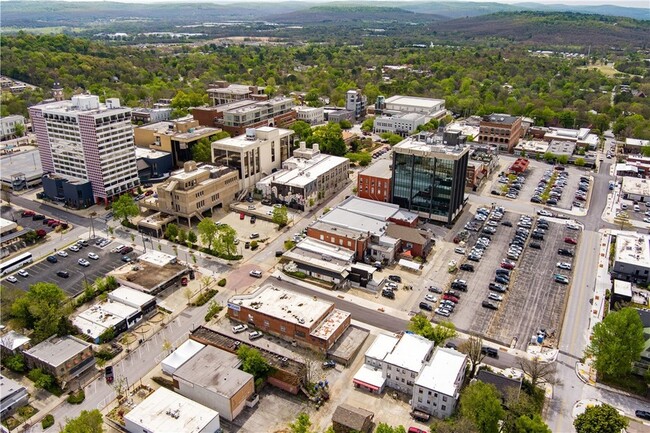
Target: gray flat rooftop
{"x": 505, "y": 119}
{"x": 58, "y": 350}
{"x": 380, "y": 169}
{"x": 285, "y": 305}
{"x": 27, "y": 163}
{"x": 216, "y": 370}
{"x": 410, "y": 146}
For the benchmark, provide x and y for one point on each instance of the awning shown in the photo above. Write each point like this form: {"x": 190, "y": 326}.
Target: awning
{"x": 409, "y": 264}
{"x": 365, "y": 385}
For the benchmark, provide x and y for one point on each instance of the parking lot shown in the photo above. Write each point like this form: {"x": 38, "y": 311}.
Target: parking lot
{"x": 45, "y": 271}
{"x": 535, "y": 172}
{"x": 533, "y": 300}
{"x": 244, "y": 228}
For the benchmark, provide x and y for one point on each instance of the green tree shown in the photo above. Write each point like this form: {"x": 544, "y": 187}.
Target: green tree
{"x": 345, "y": 124}
{"x": 253, "y": 362}
{"x": 385, "y": 428}
{"x": 330, "y": 139}
{"x": 563, "y": 159}
{"x": 302, "y": 129}
{"x": 301, "y": 425}
{"x": 645, "y": 151}
{"x": 202, "y": 150}
{"x": 480, "y": 402}
{"x": 20, "y": 130}
{"x": 226, "y": 239}
{"x": 393, "y": 139}
{"x": 579, "y": 162}
{"x": 368, "y": 124}
{"x": 528, "y": 424}
{"x": 617, "y": 342}
{"x": 207, "y": 232}
{"x": 600, "y": 419}
{"x": 86, "y": 422}
{"x": 182, "y": 236}
{"x": 171, "y": 231}
{"x": 549, "y": 157}
{"x": 191, "y": 237}
{"x": 41, "y": 380}
{"x": 15, "y": 362}
{"x": 125, "y": 207}
{"x": 280, "y": 216}
{"x": 40, "y": 309}
{"x": 440, "y": 333}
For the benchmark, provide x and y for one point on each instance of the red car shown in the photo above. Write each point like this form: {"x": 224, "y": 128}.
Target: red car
{"x": 507, "y": 266}
{"x": 242, "y": 215}
{"x": 571, "y": 241}
{"x": 41, "y": 233}
{"x": 184, "y": 281}
{"x": 448, "y": 297}
{"x": 28, "y": 213}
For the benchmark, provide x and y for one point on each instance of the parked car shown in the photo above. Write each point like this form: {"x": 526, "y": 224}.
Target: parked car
{"x": 395, "y": 278}
{"x": 535, "y": 245}
{"x": 430, "y": 298}
{"x": 329, "y": 364}
{"x": 562, "y": 279}
{"x": 23, "y": 273}
{"x": 497, "y": 287}
{"x": 242, "y": 215}
{"x": 12, "y": 279}
{"x": 564, "y": 265}
{"x": 255, "y": 335}
{"x": 644, "y": 414}
{"x": 62, "y": 253}
{"x": 38, "y": 217}
{"x": 467, "y": 267}
{"x": 63, "y": 274}
{"x": 489, "y": 305}
{"x": 425, "y": 306}
{"x": 253, "y": 219}
{"x": 52, "y": 259}
{"x": 239, "y": 328}
{"x": 93, "y": 256}
{"x": 28, "y": 213}
{"x": 495, "y": 297}
{"x": 435, "y": 289}
{"x": 490, "y": 351}
{"x": 255, "y": 273}
{"x": 388, "y": 293}
{"x": 565, "y": 252}
{"x": 108, "y": 373}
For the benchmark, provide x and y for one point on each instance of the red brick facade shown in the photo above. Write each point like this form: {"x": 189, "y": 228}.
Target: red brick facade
{"x": 357, "y": 245}
{"x": 504, "y": 135}
{"x": 373, "y": 188}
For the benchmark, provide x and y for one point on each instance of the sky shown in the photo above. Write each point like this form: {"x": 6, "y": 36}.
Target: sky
{"x": 625, "y": 3}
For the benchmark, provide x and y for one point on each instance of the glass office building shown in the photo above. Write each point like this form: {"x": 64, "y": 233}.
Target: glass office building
{"x": 429, "y": 179}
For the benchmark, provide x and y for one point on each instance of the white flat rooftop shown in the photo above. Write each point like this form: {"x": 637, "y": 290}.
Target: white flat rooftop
{"x": 411, "y": 146}
{"x": 108, "y": 314}
{"x": 325, "y": 248}
{"x": 414, "y": 101}
{"x": 633, "y": 248}
{"x": 157, "y": 258}
{"x": 306, "y": 170}
{"x": 441, "y": 373}
{"x": 380, "y": 169}
{"x": 130, "y": 296}
{"x": 155, "y": 413}
{"x": 382, "y": 346}
{"x": 370, "y": 375}
{"x": 285, "y": 305}
{"x": 55, "y": 351}
{"x": 410, "y": 352}
{"x": 347, "y": 219}
{"x": 142, "y": 152}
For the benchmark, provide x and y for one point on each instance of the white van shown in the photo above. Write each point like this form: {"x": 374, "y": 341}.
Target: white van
{"x": 624, "y": 206}
{"x": 637, "y": 208}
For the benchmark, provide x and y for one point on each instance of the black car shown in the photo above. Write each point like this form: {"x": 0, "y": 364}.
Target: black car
{"x": 459, "y": 286}
{"x": 467, "y": 267}
{"x": 266, "y": 202}
{"x": 495, "y": 192}
{"x": 502, "y": 271}
{"x": 425, "y": 306}
{"x": 108, "y": 374}
{"x": 395, "y": 278}
{"x": 565, "y": 252}
{"x": 253, "y": 219}
{"x": 642, "y": 414}
{"x": 63, "y": 274}
{"x": 38, "y": 217}
{"x": 387, "y": 293}
{"x": 535, "y": 245}
{"x": 451, "y": 345}
{"x": 551, "y": 201}
{"x": 489, "y": 305}
{"x": 502, "y": 279}
{"x": 537, "y": 236}
{"x": 536, "y": 199}
{"x": 52, "y": 259}
{"x": 490, "y": 351}
{"x": 434, "y": 289}
{"x": 506, "y": 223}
{"x": 329, "y": 364}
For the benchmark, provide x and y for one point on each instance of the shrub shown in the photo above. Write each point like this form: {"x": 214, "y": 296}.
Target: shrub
{"x": 48, "y": 421}
{"x": 222, "y": 282}
{"x": 204, "y": 297}
{"x": 214, "y": 309}
{"x": 76, "y": 397}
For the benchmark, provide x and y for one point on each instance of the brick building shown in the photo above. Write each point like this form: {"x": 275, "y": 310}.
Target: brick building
{"x": 307, "y": 320}
{"x": 373, "y": 183}
{"x": 500, "y": 130}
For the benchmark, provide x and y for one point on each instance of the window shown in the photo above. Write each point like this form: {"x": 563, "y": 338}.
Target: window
{"x": 266, "y": 324}
{"x": 443, "y": 407}
{"x": 444, "y": 398}
{"x": 420, "y": 391}
{"x": 283, "y": 328}
{"x": 419, "y": 399}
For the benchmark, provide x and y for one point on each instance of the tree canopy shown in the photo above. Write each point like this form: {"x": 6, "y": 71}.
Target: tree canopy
{"x": 600, "y": 419}
{"x": 41, "y": 308}
{"x": 280, "y": 216}
{"x": 207, "y": 231}
{"x": 329, "y": 138}
{"x": 440, "y": 333}
{"x": 617, "y": 342}
{"x": 86, "y": 422}
{"x": 253, "y": 362}
{"x": 125, "y": 207}
{"x": 480, "y": 402}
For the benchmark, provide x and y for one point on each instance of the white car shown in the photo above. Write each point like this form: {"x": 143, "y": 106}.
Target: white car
{"x": 255, "y": 273}
{"x": 430, "y": 298}
{"x": 239, "y": 328}
{"x": 62, "y": 253}
{"x": 83, "y": 262}
{"x": 495, "y": 297}
{"x": 646, "y": 220}
{"x": 12, "y": 279}
{"x": 544, "y": 212}
{"x": 459, "y": 250}
{"x": 93, "y": 256}
{"x": 74, "y": 248}
{"x": 573, "y": 226}
{"x": 23, "y": 273}
{"x": 564, "y": 265}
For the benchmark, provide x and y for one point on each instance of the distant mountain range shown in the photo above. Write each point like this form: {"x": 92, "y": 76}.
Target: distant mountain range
{"x": 36, "y": 13}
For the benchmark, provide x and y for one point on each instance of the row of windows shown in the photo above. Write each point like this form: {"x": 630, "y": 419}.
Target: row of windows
{"x": 333, "y": 240}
